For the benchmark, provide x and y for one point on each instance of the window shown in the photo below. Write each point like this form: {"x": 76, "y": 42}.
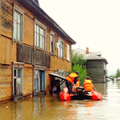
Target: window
{"x": 52, "y": 42}
{"x": 60, "y": 48}
{"x": 40, "y": 33}
{"x": 68, "y": 52}
{"x": 18, "y": 24}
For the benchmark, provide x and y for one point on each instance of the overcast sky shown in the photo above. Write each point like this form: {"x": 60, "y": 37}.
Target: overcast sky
{"x": 91, "y": 23}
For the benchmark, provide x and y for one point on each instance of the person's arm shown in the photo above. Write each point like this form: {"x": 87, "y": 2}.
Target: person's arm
{"x": 75, "y": 80}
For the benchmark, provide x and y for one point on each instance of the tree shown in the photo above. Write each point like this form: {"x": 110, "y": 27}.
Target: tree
{"x": 117, "y": 73}
{"x": 77, "y": 59}
{"x": 78, "y": 64}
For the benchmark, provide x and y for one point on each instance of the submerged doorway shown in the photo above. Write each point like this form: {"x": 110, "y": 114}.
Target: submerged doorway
{"x": 17, "y": 82}
{"x": 39, "y": 81}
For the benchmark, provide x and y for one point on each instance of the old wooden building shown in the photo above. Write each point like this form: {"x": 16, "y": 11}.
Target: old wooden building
{"x": 95, "y": 65}
{"x": 32, "y": 46}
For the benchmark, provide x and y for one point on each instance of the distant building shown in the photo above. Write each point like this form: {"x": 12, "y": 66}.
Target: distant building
{"x": 96, "y": 65}
{"x": 33, "y": 50}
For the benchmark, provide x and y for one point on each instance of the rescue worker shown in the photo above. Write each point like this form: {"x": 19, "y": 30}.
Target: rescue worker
{"x": 87, "y": 85}
{"x": 71, "y": 79}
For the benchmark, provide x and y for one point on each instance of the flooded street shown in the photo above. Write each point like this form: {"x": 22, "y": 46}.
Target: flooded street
{"x": 50, "y": 108}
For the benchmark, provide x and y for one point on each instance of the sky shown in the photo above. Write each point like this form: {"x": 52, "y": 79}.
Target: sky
{"x": 91, "y": 23}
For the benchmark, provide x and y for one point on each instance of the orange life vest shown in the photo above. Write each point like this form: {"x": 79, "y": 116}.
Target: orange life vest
{"x": 88, "y": 86}
{"x": 71, "y": 77}
{"x": 77, "y": 83}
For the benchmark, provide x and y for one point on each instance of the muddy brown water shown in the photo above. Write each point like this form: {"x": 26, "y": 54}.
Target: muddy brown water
{"x": 50, "y": 108}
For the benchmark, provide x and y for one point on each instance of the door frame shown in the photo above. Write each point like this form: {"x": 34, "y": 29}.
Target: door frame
{"x": 38, "y": 81}
{"x": 39, "y": 68}
{"x": 18, "y": 65}
{"x": 41, "y": 81}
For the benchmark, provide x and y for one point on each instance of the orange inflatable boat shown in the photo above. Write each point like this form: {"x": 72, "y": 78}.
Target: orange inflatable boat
{"x": 79, "y": 95}
{"x": 96, "y": 95}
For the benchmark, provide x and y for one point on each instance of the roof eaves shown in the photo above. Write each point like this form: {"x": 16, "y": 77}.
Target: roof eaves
{"x": 78, "y": 50}
{"x": 50, "y": 21}
{"x": 98, "y": 59}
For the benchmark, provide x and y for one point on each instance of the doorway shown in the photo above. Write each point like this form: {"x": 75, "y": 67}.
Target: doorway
{"x": 39, "y": 80}
{"x": 17, "y": 82}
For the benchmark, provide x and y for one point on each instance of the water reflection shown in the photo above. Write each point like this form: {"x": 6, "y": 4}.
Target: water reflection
{"x": 17, "y": 110}
{"x": 50, "y": 108}
{"x": 101, "y": 87}
{"x": 118, "y": 84}
{"x": 38, "y": 105}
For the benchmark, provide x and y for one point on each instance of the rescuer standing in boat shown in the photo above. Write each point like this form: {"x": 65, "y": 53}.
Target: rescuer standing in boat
{"x": 71, "y": 79}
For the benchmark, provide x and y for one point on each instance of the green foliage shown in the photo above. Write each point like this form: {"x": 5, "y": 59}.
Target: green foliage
{"x": 77, "y": 59}
{"x": 117, "y": 73}
{"x": 78, "y": 64}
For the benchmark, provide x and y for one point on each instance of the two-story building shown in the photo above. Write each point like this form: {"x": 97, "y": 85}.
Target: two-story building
{"x": 95, "y": 65}
{"x": 32, "y": 45}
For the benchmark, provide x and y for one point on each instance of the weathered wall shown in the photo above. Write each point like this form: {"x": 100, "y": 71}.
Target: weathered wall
{"x": 7, "y": 55}
{"x": 28, "y": 37}
{"x": 8, "y": 51}
{"x": 35, "y": 57}
{"x": 27, "y": 79}
{"x": 6, "y": 18}
{"x": 57, "y": 63}
{"x": 5, "y": 82}
{"x": 28, "y": 32}
{"x": 47, "y": 78}
{"x": 95, "y": 70}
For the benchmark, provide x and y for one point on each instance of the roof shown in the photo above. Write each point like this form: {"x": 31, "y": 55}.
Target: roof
{"x": 40, "y": 13}
{"x": 56, "y": 75}
{"x": 90, "y": 55}
{"x": 36, "y": 1}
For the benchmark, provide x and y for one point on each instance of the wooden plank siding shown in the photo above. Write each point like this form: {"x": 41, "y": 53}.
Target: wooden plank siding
{"x": 25, "y": 52}
{"x": 7, "y": 50}
{"x": 28, "y": 79}
{"x": 5, "y": 82}
{"x": 28, "y": 30}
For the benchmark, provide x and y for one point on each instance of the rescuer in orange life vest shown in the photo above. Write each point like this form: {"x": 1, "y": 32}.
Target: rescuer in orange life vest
{"x": 71, "y": 79}
{"x": 76, "y": 86}
{"x": 87, "y": 85}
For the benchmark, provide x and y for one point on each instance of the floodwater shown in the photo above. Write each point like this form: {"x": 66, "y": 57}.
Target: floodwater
{"x": 50, "y": 108}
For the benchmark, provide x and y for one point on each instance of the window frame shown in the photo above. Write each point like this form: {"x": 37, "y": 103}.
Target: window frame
{"x": 53, "y": 35}
{"x": 59, "y": 48}
{"x": 43, "y": 27}
{"x": 21, "y": 12}
{"x": 68, "y": 52}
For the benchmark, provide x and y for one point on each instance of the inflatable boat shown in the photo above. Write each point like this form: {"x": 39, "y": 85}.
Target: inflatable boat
{"x": 80, "y": 94}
